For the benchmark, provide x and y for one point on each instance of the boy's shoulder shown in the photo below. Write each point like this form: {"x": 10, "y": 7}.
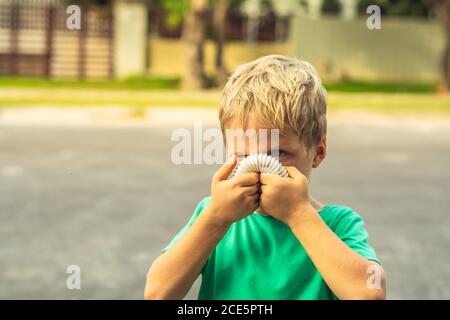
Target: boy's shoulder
{"x": 350, "y": 227}
{"x": 199, "y": 208}
{"x": 202, "y": 204}
{"x": 340, "y": 217}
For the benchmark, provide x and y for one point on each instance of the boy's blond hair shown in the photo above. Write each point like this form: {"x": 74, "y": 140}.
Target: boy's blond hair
{"x": 283, "y": 92}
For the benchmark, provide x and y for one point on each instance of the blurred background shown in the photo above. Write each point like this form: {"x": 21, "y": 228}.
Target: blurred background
{"x": 90, "y": 95}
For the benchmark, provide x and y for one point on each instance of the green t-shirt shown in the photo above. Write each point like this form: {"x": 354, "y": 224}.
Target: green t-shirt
{"x": 260, "y": 258}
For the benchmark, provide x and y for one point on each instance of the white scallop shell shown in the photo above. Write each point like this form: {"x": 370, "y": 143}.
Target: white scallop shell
{"x": 259, "y": 162}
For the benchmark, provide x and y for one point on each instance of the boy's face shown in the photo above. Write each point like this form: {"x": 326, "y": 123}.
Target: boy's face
{"x": 291, "y": 151}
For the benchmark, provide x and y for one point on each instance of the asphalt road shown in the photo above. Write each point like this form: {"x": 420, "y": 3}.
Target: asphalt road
{"x": 109, "y": 199}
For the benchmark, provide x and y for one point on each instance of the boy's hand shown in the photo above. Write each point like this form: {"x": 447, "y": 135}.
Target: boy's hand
{"x": 232, "y": 200}
{"x": 285, "y": 198}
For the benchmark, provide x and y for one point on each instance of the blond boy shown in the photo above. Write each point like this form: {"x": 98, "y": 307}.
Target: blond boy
{"x": 262, "y": 236}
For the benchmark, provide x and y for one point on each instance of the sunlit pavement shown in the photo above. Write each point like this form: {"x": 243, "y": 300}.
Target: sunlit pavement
{"x": 108, "y": 199}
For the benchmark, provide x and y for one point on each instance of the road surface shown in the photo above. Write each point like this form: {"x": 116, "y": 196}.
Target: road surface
{"x": 108, "y": 199}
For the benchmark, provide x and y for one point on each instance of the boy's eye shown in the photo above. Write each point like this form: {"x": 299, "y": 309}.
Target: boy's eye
{"x": 281, "y": 153}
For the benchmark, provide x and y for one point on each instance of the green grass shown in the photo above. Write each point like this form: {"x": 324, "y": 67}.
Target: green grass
{"x": 209, "y": 99}
{"x": 389, "y": 102}
{"x": 164, "y": 92}
{"x": 65, "y": 97}
{"x": 135, "y": 83}
{"x": 4, "y": 103}
{"x": 380, "y": 87}
{"x": 171, "y": 83}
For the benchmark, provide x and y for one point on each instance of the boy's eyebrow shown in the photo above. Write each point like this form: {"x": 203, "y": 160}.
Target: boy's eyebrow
{"x": 285, "y": 142}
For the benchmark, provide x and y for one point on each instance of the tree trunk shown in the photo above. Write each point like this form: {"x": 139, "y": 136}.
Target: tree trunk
{"x": 194, "y": 38}
{"x": 443, "y": 11}
{"x": 219, "y": 21}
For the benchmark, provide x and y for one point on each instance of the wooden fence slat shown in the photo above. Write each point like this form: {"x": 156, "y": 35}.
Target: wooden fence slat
{"x": 34, "y": 33}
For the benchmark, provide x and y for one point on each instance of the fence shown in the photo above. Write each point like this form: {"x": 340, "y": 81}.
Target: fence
{"x": 35, "y": 41}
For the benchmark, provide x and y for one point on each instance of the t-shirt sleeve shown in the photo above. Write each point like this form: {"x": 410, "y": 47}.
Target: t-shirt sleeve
{"x": 350, "y": 228}
{"x": 201, "y": 205}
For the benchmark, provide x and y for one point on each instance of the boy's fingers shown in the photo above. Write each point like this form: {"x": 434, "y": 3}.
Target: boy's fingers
{"x": 266, "y": 178}
{"x": 247, "y": 179}
{"x": 254, "y": 201}
{"x": 251, "y": 190}
{"x": 263, "y": 187}
{"x": 226, "y": 169}
{"x": 253, "y": 197}
{"x": 293, "y": 172}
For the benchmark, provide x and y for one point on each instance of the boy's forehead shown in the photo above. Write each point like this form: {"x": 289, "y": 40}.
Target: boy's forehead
{"x": 250, "y": 121}
{"x": 263, "y": 131}
{"x": 259, "y": 128}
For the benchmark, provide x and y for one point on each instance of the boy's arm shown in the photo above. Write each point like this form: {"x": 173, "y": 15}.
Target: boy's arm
{"x": 344, "y": 270}
{"x": 173, "y": 273}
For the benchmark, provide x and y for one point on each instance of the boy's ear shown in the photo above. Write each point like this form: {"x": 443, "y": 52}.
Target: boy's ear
{"x": 320, "y": 153}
